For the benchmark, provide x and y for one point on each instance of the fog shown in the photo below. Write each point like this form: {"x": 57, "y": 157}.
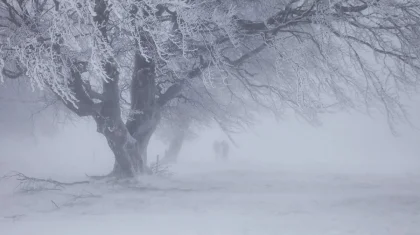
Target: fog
{"x": 348, "y": 176}
{"x": 345, "y": 142}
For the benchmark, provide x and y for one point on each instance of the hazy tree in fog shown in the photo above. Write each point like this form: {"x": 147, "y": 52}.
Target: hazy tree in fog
{"x": 221, "y": 149}
{"x": 124, "y": 62}
{"x": 184, "y": 117}
{"x": 27, "y": 114}
{"x": 174, "y": 135}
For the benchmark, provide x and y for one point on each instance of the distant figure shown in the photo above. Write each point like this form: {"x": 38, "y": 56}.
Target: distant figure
{"x": 221, "y": 149}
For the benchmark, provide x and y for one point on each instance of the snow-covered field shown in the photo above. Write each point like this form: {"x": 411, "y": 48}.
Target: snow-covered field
{"x": 288, "y": 179}
{"x": 218, "y": 199}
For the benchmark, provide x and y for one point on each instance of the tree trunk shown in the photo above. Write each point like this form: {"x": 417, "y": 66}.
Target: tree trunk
{"x": 128, "y": 160}
{"x": 130, "y": 152}
{"x": 128, "y": 155}
{"x": 172, "y": 153}
{"x": 129, "y": 141}
{"x": 175, "y": 145}
{"x": 139, "y": 157}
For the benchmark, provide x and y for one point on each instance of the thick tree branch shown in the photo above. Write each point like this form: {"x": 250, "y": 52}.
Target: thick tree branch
{"x": 352, "y": 9}
{"x": 13, "y": 74}
{"x": 170, "y": 94}
{"x": 83, "y": 106}
{"x": 289, "y": 17}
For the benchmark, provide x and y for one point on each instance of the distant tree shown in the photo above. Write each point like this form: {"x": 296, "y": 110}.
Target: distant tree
{"x": 175, "y": 135}
{"x": 188, "y": 114}
{"x": 27, "y": 114}
{"x": 122, "y": 62}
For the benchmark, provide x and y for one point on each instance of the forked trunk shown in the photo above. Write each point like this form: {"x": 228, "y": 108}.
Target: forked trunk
{"x": 143, "y": 120}
{"x": 128, "y": 161}
{"x": 136, "y": 152}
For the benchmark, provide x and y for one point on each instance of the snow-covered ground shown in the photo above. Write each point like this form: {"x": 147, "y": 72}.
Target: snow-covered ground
{"x": 218, "y": 199}
{"x": 349, "y": 177}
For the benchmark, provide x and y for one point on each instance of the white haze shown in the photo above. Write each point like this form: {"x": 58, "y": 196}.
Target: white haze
{"x": 348, "y": 176}
{"x": 343, "y": 143}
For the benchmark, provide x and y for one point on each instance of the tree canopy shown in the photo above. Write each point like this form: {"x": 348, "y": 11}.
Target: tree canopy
{"x": 123, "y": 62}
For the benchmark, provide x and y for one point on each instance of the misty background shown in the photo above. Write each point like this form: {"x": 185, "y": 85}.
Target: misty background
{"x": 345, "y": 143}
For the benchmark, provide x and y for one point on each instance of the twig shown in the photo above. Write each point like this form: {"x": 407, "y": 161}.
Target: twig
{"x": 55, "y": 204}
{"x": 14, "y": 217}
{"x": 158, "y": 168}
{"x": 21, "y": 177}
{"x": 31, "y": 184}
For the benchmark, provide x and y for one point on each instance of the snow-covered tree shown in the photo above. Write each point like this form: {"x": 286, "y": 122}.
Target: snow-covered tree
{"x": 122, "y": 62}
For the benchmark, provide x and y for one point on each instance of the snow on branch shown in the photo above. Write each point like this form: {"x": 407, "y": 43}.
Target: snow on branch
{"x": 278, "y": 54}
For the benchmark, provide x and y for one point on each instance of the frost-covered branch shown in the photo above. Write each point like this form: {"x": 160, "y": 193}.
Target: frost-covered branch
{"x": 130, "y": 63}
{"x": 30, "y": 184}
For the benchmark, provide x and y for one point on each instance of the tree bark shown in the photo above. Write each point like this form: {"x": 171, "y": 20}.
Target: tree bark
{"x": 130, "y": 153}
{"x": 128, "y": 159}
{"x": 139, "y": 156}
{"x": 129, "y": 143}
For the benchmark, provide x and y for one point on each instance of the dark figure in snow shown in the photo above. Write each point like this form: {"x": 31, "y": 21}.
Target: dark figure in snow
{"x": 221, "y": 149}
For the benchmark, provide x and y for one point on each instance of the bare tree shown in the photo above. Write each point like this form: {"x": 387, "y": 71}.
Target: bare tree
{"x": 122, "y": 62}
